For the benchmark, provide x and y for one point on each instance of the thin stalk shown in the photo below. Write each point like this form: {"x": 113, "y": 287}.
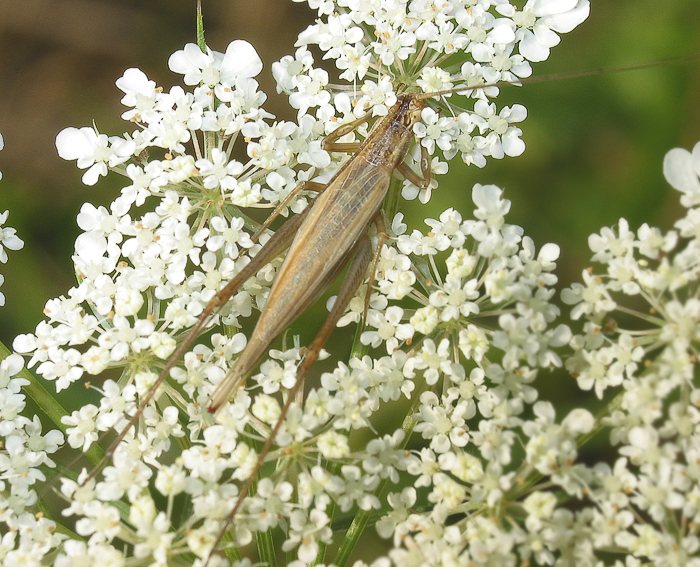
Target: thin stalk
{"x": 266, "y": 548}
{"x": 323, "y": 547}
{"x": 354, "y": 533}
{"x": 201, "y": 42}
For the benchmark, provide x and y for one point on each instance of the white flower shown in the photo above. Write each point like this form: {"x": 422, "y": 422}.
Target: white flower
{"x": 240, "y": 61}
{"x": 401, "y": 504}
{"x": 491, "y": 207}
{"x": 307, "y": 532}
{"x": 332, "y": 445}
{"x": 92, "y": 151}
{"x": 219, "y": 172}
{"x": 682, "y": 171}
{"x": 266, "y": 409}
{"x": 140, "y": 93}
{"x": 434, "y": 130}
{"x": 389, "y": 329}
{"x": 8, "y": 238}
{"x": 83, "y": 431}
{"x": 541, "y": 20}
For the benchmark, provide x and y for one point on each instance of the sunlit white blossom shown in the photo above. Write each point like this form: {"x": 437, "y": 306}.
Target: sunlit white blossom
{"x": 386, "y": 48}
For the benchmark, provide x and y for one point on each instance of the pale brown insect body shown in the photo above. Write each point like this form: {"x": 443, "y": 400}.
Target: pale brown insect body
{"x": 337, "y": 220}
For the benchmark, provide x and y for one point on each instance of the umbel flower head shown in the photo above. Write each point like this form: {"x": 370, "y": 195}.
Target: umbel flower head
{"x": 650, "y": 276}
{"x": 384, "y": 48}
{"x": 640, "y": 340}
{"x": 458, "y": 329}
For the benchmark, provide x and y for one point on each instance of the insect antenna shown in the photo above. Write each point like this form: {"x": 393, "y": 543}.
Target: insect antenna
{"x": 143, "y": 402}
{"x": 562, "y": 76}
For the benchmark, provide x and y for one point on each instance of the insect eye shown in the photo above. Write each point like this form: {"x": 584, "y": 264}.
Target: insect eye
{"x": 416, "y": 106}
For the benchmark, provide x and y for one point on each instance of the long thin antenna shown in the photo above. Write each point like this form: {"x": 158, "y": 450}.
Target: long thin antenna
{"x": 565, "y": 75}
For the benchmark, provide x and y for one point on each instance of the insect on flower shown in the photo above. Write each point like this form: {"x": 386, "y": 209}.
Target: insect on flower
{"x": 333, "y": 233}
{"x": 403, "y": 99}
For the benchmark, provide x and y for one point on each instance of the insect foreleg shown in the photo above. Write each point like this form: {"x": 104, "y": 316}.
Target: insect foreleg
{"x": 353, "y": 278}
{"x": 284, "y": 203}
{"x": 422, "y": 180}
{"x": 425, "y": 165}
{"x": 330, "y": 141}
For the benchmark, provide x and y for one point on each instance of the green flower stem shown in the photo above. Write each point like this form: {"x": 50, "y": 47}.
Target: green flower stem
{"x": 334, "y": 468}
{"x": 231, "y": 552}
{"x": 358, "y": 350}
{"x": 264, "y": 540}
{"x": 48, "y": 404}
{"x": 362, "y": 520}
{"x": 354, "y": 533}
{"x": 201, "y": 42}
{"x": 266, "y": 548}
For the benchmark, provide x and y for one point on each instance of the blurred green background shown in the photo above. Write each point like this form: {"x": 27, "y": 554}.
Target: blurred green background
{"x": 594, "y": 145}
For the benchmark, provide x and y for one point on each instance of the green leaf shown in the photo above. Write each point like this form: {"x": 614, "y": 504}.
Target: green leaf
{"x": 201, "y": 42}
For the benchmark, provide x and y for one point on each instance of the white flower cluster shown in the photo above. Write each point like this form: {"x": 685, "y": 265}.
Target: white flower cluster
{"x": 385, "y": 48}
{"x": 641, "y": 333}
{"x": 489, "y": 327}
{"x": 147, "y": 276}
{"x": 495, "y": 291}
{"x": 484, "y": 355}
{"x": 650, "y": 277}
{"x": 149, "y": 263}
{"x": 26, "y": 537}
{"x": 460, "y": 326}
{"x": 641, "y": 336}
{"x": 196, "y": 134}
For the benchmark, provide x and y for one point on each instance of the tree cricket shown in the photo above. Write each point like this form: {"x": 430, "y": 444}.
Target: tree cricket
{"x": 226, "y": 421}
{"x": 340, "y": 215}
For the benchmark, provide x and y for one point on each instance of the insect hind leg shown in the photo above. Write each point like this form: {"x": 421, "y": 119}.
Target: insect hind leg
{"x": 355, "y": 275}
{"x": 423, "y": 179}
{"x": 272, "y": 248}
